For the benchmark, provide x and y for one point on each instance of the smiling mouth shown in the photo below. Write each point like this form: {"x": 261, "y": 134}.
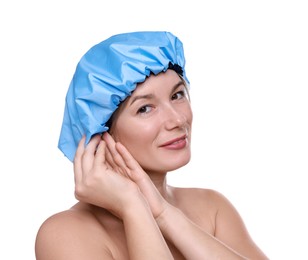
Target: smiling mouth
{"x": 175, "y": 144}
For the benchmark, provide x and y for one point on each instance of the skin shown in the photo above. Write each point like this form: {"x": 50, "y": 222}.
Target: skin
{"x": 126, "y": 209}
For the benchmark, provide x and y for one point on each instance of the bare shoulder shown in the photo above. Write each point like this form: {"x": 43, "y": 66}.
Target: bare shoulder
{"x": 200, "y": 197}
{"x": 71, "y": 234}
{"x": 214, "y": 212}
{"x": 207, "y": 202}
{"x": 199, "y": 204}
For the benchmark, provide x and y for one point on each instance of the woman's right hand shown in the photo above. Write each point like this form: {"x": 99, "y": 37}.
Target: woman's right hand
{"x": 124, "y": 163}
{"x": 97, "y": 183}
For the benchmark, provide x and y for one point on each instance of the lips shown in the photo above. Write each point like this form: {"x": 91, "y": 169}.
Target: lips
{"x": 175, "y": 144}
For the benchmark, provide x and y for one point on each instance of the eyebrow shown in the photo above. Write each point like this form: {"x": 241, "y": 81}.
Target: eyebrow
{"x": 150, "y": 96}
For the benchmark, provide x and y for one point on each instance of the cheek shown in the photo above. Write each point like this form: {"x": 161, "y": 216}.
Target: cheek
{"x": 187, "y": 111}
{"x": 137, "y": 138}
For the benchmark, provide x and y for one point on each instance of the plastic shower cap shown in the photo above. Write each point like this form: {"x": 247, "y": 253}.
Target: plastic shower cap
{"x": 107, "y": 74}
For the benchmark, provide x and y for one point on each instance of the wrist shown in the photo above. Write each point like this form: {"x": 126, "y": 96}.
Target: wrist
{"x": 135, "y": 206}
{"x": 167, "y": 218}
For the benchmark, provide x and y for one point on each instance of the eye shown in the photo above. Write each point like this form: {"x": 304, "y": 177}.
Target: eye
{"x": 144, "y": 109}
{"x": 178, "y": 95}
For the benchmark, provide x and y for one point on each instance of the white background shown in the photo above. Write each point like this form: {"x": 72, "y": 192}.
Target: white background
{"x": 247, "y": 62}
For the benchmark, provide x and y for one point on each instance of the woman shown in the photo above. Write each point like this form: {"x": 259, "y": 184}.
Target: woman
{"x": 127, "y": 123}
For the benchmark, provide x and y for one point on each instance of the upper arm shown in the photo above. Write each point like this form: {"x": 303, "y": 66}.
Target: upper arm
{"x": 64, "y": 236}
{"x": 230, "y": 229}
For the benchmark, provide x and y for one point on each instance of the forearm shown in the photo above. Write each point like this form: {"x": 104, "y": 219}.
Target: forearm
{"x": 193, "y": 242}
{"x": 144, "y": 238}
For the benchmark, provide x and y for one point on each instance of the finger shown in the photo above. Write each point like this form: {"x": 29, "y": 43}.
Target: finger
{"x": 116, "y": 157}
{"x": 109, "y": 159}
{"x": 89, "y": 153}
{"x": 77, "y": 160}
{"x": 100, "y": 153}
{"x": 134, "y": 170}
{"x": 119, "y": 168}
{"x": 103, "y": 156}
{"x": 129, "y": 160}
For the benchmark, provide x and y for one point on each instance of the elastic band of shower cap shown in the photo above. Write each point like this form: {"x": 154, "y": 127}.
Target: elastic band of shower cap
{"x": 107, "y": 74}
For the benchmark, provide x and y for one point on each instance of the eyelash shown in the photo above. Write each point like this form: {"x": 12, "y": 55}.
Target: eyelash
{"x": 173, "y": 97}
{"x": 139, "y": 111}
{"x": 181, "y": 92}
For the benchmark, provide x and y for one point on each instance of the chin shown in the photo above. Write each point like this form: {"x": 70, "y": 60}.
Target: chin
{"x": 175, "y": 163}
{"x": 167, "y": 165}
{"x": 165, "y": 162}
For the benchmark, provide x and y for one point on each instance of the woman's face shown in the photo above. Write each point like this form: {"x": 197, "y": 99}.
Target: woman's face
{"x": 154, "y": 123}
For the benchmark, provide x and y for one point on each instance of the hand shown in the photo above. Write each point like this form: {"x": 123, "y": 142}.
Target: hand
{"x": 120, "y": 159}
{"x": 97, "y": 183}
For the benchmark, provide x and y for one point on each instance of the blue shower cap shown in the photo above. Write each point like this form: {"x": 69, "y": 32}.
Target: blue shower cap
{"x": 107, "y": 74}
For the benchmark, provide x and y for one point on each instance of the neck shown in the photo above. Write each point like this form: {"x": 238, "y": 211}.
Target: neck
{"x": 160, "y": 182}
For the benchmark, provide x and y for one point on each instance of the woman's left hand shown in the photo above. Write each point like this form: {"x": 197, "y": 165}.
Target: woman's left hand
{"x": 124, "y": 163}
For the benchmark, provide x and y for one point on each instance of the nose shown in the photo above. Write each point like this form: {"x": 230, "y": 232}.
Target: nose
{"x": 174, "y": 118}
